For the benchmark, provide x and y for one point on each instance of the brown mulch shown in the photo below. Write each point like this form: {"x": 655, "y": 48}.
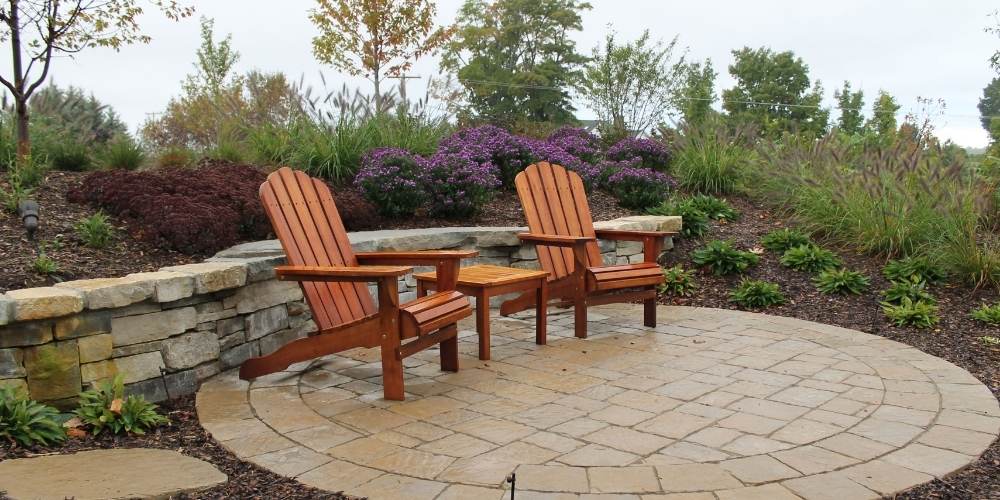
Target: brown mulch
{"x": 185, "y": 435}
{"x": 57, "y": 237}
{"x": 957, "y": 338}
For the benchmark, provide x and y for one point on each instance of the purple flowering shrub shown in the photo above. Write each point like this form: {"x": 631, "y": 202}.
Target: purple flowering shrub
{"x": 457, "y": 185}
{"x": 579, "y": 142}
{"x": 606, "y": 168}
{"x": 640, "y": 188}
{"x": 652, "y": 154}
{"x": 389, "y": 179}
{"x": 501, "y": 151}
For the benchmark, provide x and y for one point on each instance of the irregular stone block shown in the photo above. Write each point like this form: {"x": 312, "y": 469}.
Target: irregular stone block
{"x": 298, "y": 308}
{"x": 263, "y": 248}
{"x": 233, "y": 340}
{"x": 606, "y": 245}
{"x": 25, "y": 334}
{"x": 140, "y": 367}
{"x": 95, "y": 348}
{"x": 181, "y": 383}
{"x": 53, "y": 370}
{"x": 136, "y": 309}
{"x": 213, "y": 276}
{"x": 266, "y": 321}
{"x": 190, "y": 350}
{"x": 213, "y": 311}
{"x": 526, "y": 264}
{"x": 155, "y": 326}
{"x": 84, "y": 324}
{"x": 207, "y": 370}
{"x": 96, "y": 372}
{"x": 525, "y": 252}
{"x": 274, "y": 341}
{"x": 104, "y": 293}
{"x": 6, "y": 309}
{"x": 153, "y": 390}
{"x": 229, "y": 325}
{"x": 132, "y": 350}
{"x": 237, "y": 355}
{"x": 258, "y": 268}
{"x": 628, "y": 248}
{"x": 261, "y": 295}
{"x": 11, "y": 364}
{"x": 168, "y": 286}
{"x": 18, "y": 384}
{"x": 45, "y": 302}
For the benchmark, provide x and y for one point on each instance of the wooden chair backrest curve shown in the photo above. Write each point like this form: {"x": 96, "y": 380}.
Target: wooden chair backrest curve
{"x": 305, "y": 218}
{"x": 555, "y": 203}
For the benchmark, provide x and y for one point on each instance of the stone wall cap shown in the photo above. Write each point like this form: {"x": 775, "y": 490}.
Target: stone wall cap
{"x": 168, "y": 285}
{"x": 6, "y": 309}
{"x": 213, "y": 276}
{"x": 104, "y": 293}
{"x": 643, "y": 222}
{"x": 45, "y": 302}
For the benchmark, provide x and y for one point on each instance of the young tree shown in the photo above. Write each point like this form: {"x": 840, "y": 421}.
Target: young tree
{"x": 632, "y": 86}
{"x": 215, "y": 61}
{"x": 516, "y": 59}
{"x": 850, "y": 104}
{"x": 883, "y": 120}
{"x": 994, "y": 29}
{"x": 773, "y": 91}
{"x": 375, "y": 38}
{"x": 40, "y": 30}
{"x": 697, "y": 92}
{"x": 989, "y": 106}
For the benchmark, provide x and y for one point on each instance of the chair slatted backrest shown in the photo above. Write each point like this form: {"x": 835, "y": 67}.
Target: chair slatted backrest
{"x": 305, "y": 218}
{"x": 555, "y": 203}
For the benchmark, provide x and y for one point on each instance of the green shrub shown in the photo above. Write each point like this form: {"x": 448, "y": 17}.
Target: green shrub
{"x": 639, "y": 188}
{"x": 106, "y": 407}
{"x": 911, "y": 313}
{"x": 16, "y": 191}
{"x": 755, "y": 294}
{"x": 912, "y": 289}
{"x": 780, "y": 240}
{"x": 918, "y": 267}
{"x": 715, "y": 208}
{"x": 989, "y": 314}
{"x": 694, "y": 222}
{"x": 44, "y": 265}
{"x": 68, "y": 156}
{"x": 95, "y": 231}
{"x": 722, "y": 258}
{"x": 678, "y": 281}
{"x": 27, "y": 422}
{"x": 841, "y": 281}
{"x": 810, "y": 258}
{"x": 175, "y": 157}
{"x": 123, "y": 153}
{"x": 709, "y": 158}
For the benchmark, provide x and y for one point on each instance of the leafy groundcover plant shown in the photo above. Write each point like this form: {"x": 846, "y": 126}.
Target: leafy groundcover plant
{"x": 722, "y": 258}
{"x": 95, "y": 231}
{"x": 809, "y": 258}
{"x": 912, "y": 289}
{"x": 756, "y": 294}
{"x": 694, "y": 222}
{"x": 714, "y": 208}
{"x": 918, "y": 267}
{"x": 28, "y": 422}
{"x": 105, "y": 407}
{"x": 678, "y": 281}
{"x": 780, "y": 240}
{"x": 841, "y": 281}
{"x": 908, "y": 312}
{"x": 989, "y": 314}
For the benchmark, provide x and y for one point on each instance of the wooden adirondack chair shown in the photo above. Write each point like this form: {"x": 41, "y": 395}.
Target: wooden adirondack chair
{"x": 562, "y": 230}
{"x": 320, "y": 258}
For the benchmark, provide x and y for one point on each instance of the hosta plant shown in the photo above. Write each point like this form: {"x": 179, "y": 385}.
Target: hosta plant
{"x": 913, "y": 289}
{"x": 756, "y": 294}
{"x": 694, "y": 222}
{"x": 678, "y": 281}
{"x": 989, "y": 314}
{"x": 722, "y": 258}
{"x": 841, "y": 281}
{"x": 105, "y": 407}
{"x": 780, "y": 240}
{"x": 714, "y": 208}
{"x": 809, "y": 258}
{"x": 28, "y": 422}
{"x": 918, "y": 267}
{"x": 910, "y": 312}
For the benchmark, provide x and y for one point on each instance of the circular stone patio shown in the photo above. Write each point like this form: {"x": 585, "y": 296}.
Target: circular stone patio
{"x": 738, "y": 404}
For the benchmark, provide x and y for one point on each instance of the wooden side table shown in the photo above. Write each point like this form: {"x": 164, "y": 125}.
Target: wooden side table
{"x": 485, "y": 281}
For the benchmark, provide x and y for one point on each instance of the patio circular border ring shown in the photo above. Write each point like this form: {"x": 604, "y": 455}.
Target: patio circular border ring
{"x": 722, "y": 401}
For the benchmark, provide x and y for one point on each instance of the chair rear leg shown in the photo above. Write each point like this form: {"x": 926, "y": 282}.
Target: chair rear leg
{"x": 580, "y": 317}
{"x": 449, "y": 349}
{"x": 392, "y": 369}
{"x": 649, "y": 312}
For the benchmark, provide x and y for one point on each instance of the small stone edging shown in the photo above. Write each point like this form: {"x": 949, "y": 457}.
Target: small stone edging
{"x": 168, "y": 330}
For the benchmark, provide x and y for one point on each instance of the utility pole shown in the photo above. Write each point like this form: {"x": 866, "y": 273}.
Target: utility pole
{"x": 402, "y": 84}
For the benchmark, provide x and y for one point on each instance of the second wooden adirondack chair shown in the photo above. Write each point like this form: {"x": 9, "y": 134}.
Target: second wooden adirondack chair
{"x": 560, "y": 225}
{"x": 320, "y": 257}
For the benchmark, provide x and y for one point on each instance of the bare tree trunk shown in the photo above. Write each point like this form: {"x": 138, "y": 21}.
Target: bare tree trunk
{"x": 20, "y": 99}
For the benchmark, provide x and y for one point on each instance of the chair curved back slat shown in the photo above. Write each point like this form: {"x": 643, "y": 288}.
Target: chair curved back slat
{"x": 305, "y": 218}
{"x": 555, "y": 203}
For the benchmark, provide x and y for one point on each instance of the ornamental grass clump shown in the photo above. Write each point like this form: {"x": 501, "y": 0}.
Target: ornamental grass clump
{"x": 723, "y": 258}
{"x": 390, "y": 179}
{"x": 26, "y": 422}
{"x": 712, "y": 158}
{"x": 652, "y": 154}
{"x": 756, "y": 294}
{"x": 456, "y": 185}
{"x": 640, "y": 188}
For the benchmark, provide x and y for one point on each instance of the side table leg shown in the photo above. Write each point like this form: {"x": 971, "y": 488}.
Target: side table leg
{"x": 483, "y": 324}
{"x": 541, "y": 312}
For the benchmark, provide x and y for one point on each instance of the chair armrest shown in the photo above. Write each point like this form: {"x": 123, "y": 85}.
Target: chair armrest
{"x": 337, "y": 273}
{"x": 629, "y": 235}
{"x": 428, "y": 257}
{"x": 555, "y": 240}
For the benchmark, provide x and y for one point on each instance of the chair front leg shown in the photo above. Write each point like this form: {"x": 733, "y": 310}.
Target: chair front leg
{"x": 447, "y": 279}
{"x": 392, "y": 362}
{"x": 580, "y": 291}
{"x": 651, "y": 248}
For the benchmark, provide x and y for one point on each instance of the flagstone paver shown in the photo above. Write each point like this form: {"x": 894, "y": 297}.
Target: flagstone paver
{"x": 710, "y": 404}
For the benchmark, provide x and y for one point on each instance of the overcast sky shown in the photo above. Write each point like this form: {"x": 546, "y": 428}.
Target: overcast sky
{"x": 911, "y": 48}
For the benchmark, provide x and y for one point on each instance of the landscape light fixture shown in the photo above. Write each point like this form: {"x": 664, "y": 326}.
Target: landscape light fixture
{"x": 28, "y": 210}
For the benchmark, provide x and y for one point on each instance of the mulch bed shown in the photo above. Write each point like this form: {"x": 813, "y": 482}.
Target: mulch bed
{"x": 957, "y": 338}
{"x": 185, "y": 435}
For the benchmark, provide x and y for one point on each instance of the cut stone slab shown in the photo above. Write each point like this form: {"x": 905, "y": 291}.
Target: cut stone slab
{"x": 104, "y": 293}
{"x": 213, "y": 276}
{"x": 168, "y": 286}
{"x": 45, "y": 302}
{"x": 97, "y": 474}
